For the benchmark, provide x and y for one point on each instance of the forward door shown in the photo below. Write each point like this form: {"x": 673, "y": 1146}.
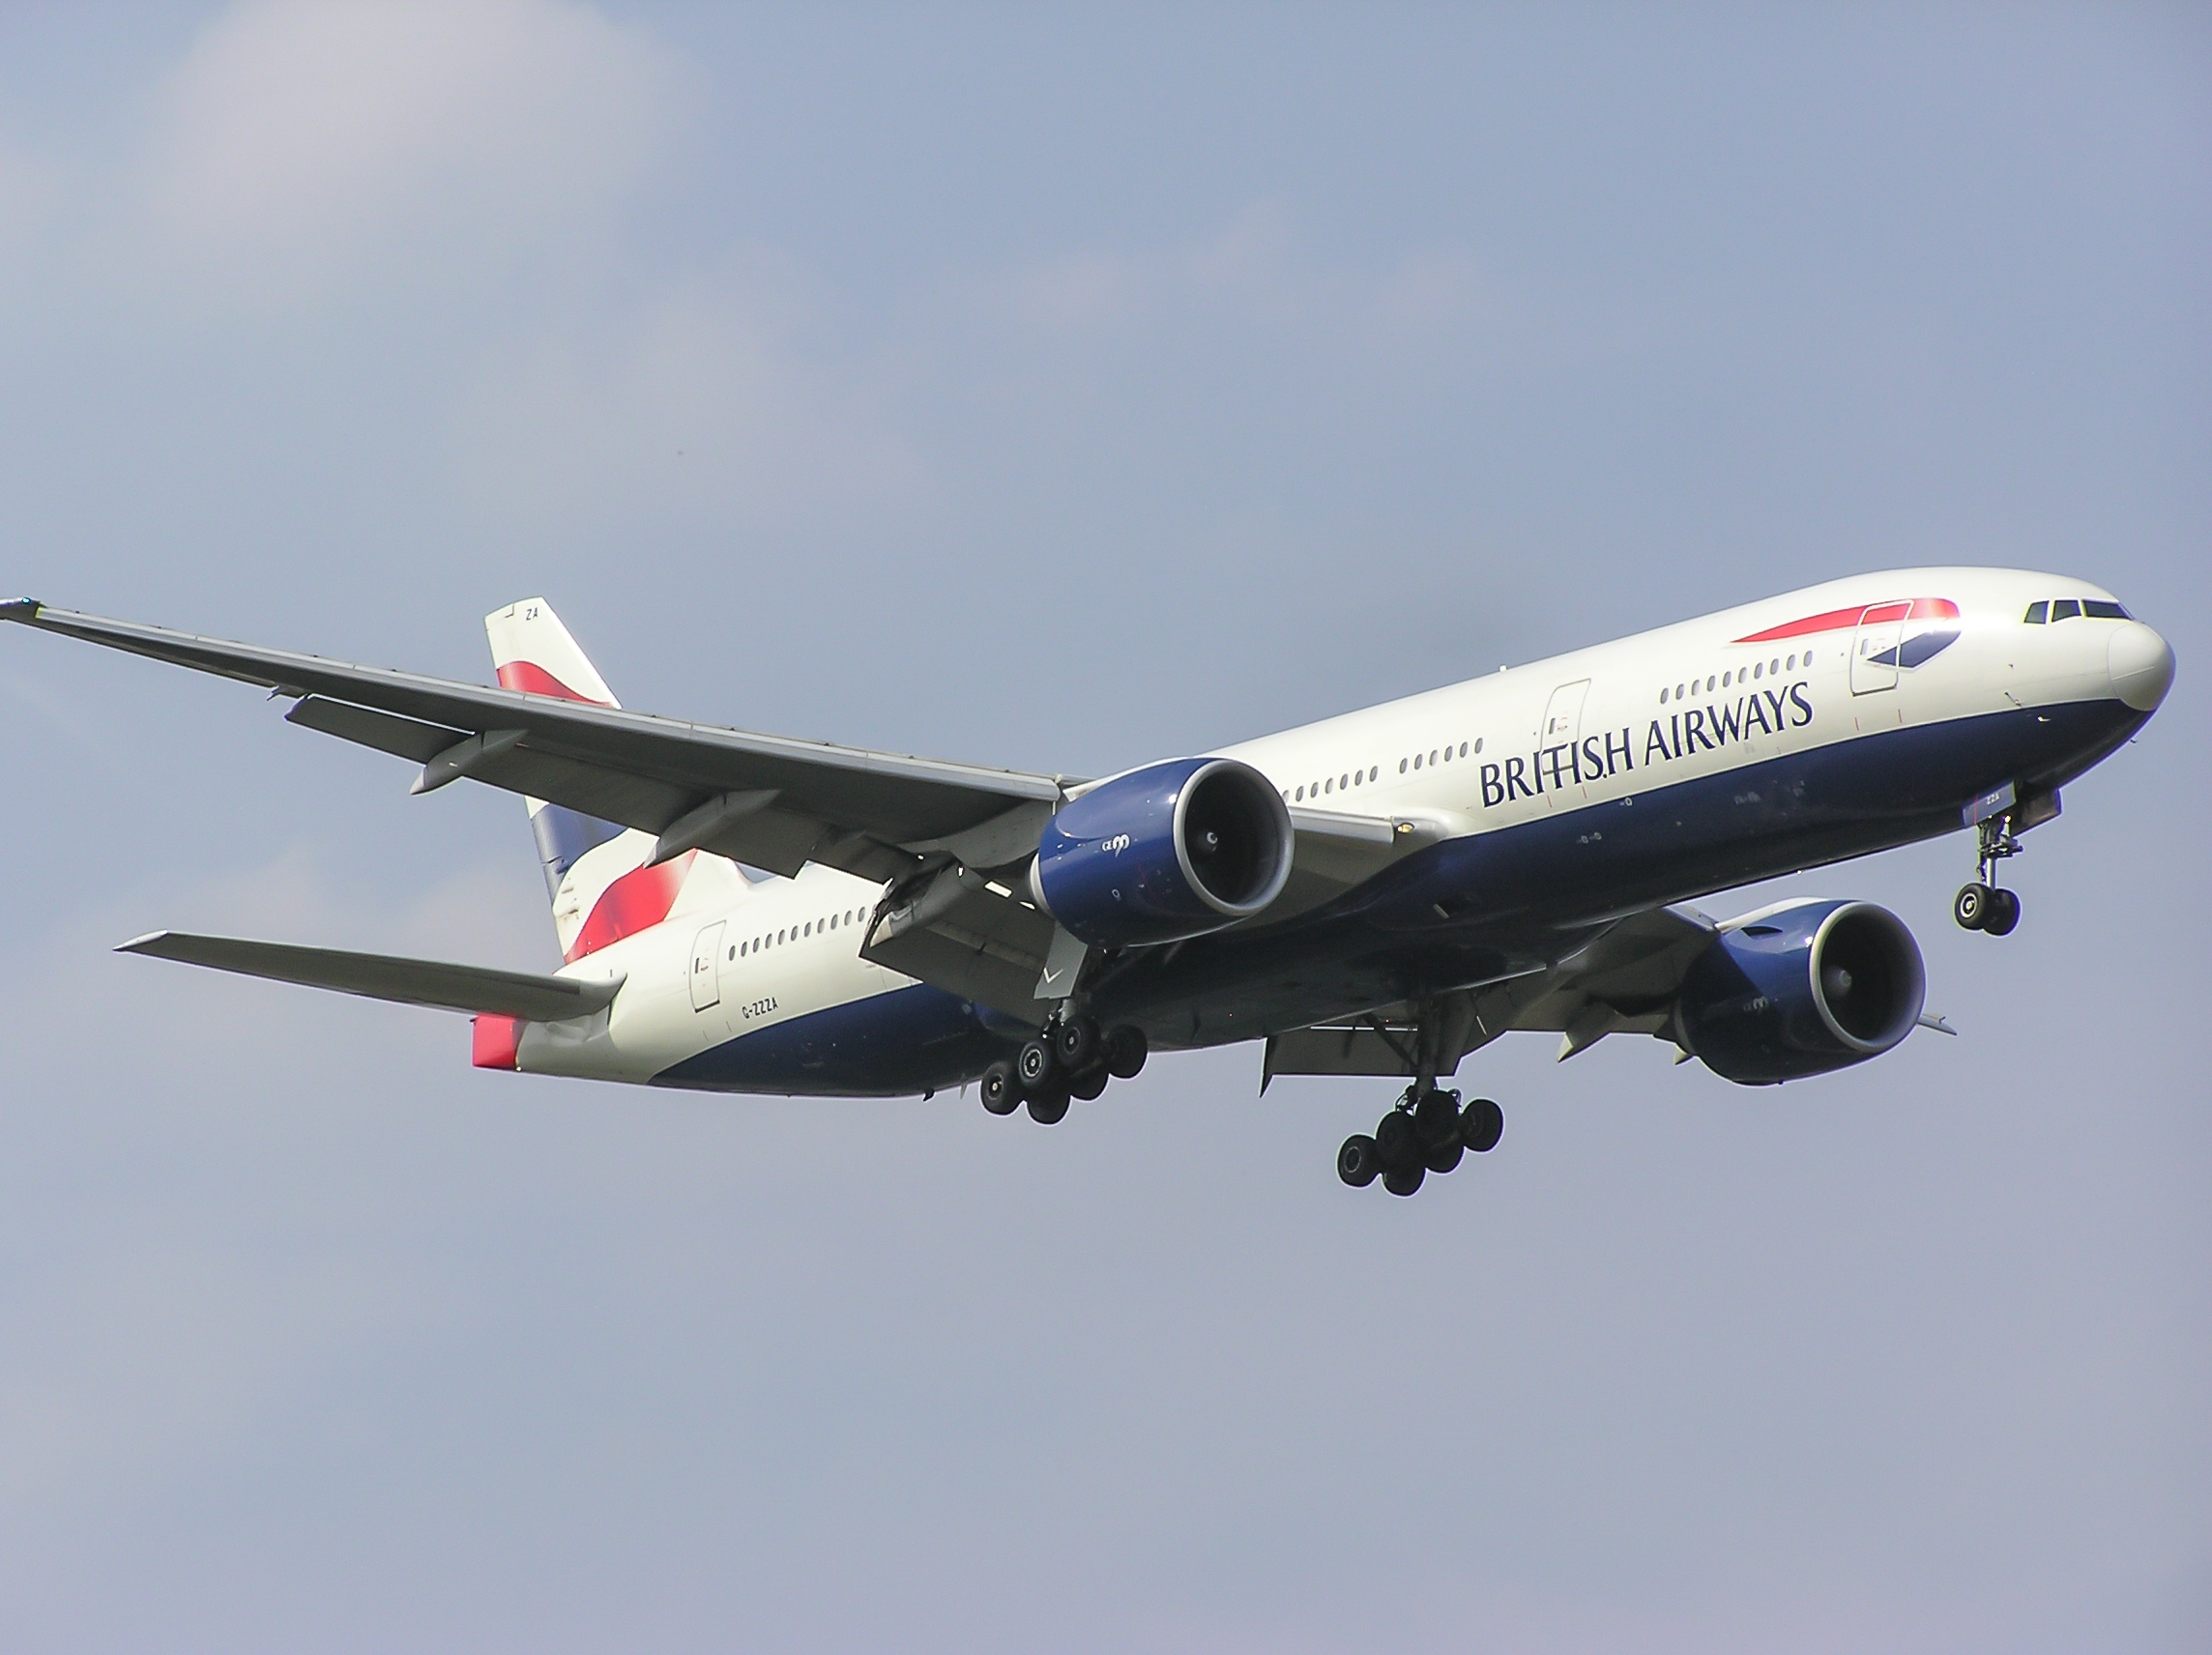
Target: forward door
{"x": 1559, "y": 767}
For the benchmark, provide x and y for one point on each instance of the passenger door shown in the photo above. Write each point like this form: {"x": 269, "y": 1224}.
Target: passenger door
{"x": 1558, "y": 769}
{"x": 707, "y": 969}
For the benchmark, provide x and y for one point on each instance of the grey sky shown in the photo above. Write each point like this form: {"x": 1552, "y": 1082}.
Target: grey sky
{"x": 1065, "y": 388}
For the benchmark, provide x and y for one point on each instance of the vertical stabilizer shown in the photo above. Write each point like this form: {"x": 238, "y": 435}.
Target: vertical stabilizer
{"x": 595, "y": 872}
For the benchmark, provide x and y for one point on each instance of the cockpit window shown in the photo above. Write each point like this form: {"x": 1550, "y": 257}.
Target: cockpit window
{"x": 2036, "y": 613}
{"x": 2100, "y": 609}
{"x": 2064, "y": 608}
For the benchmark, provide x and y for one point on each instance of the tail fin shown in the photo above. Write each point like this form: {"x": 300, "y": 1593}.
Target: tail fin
{"x": 595, "y": 871}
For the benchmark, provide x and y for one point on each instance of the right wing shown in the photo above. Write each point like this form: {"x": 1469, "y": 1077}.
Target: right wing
{"x": 433, "y": 983}
{"x": 1622, "y": 980}
{"x": 769, "y": 800}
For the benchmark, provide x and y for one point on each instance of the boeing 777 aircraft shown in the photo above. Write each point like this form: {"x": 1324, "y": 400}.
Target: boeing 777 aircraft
{"x": 1380, "y": 893}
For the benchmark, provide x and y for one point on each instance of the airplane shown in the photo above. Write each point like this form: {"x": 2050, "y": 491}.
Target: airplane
{"x": 1381, "y": 893}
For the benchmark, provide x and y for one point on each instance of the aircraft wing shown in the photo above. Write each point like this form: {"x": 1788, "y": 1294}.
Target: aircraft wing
{"x": 769, "y": 800}
{"x": 1622, "y": 980}
{"x": 479, "y": 989}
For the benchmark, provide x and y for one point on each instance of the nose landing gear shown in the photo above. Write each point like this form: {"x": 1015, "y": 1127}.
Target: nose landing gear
{"x": 1427, "y": 1132}
{"x": 1984, "y": 905}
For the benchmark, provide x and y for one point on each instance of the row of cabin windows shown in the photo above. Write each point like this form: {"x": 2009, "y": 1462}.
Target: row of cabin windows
{"x": 793, "y": 933}
{"x": 1724, "y": 680}
{"x": 2068, "y": 608}
{"x": 1360, "y": 778}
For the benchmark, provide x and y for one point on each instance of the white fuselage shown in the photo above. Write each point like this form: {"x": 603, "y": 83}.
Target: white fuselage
{"x": 737, "y": 958}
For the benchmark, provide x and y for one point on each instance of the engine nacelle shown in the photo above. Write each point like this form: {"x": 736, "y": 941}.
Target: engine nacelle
{"x": 1173, "y": 849}
{"x": 1801, "y": 991}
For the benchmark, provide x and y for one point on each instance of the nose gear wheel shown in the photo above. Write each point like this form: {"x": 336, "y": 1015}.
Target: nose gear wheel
{"x": 1984, "y": 905}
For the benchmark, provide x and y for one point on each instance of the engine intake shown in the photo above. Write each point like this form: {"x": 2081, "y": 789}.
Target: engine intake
{"x": 1801, "y": 991}
{"x": 1171, "y": 851}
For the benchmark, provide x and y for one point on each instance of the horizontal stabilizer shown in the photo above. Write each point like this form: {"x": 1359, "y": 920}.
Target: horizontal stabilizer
{"x": 478, "y": 989}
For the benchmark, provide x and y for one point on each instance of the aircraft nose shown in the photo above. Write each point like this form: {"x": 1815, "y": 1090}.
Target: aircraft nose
{"x": 2141, "y": 663}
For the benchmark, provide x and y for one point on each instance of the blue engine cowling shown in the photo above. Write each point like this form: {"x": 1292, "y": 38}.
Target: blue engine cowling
{"x": 1801, "y": 991}
{"x": 1173, "y": 849}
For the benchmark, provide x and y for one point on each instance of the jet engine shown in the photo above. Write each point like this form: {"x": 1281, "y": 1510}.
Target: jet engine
{"x": 1171, "y": 851}
{"x": 1801, "y": 991}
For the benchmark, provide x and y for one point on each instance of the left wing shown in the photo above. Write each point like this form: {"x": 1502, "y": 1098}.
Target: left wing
{"x": 769, "y": 800}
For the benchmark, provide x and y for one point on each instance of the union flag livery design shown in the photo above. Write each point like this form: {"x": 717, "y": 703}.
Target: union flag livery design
{"x": 1929, "y": 627}
{"x": 598, "y": 874}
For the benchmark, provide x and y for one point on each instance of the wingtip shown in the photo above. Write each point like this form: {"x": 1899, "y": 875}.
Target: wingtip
{"x": 20, "y": 608}
{"x": 140, "y": 944}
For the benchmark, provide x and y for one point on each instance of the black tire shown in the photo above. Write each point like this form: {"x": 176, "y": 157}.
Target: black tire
{"x": 1001, "y": 1095}
{"x": 1397, "y": 1141}
{"x": 1090, "y": 1082}
{"x": 1075, "y": 1043}
{"x": 1032, "y": 1064}
{"x": 1126, "y": 1052}
{"x": 1049, "y": 1107}
{"x": 1359, "y": 1162}
{"x": 1445, "y": 1157}
{"x": 1971, "y": 908}
{"x": 1481, "y": 1123}
{"x": 2003, "y": 915}
{"x": 1405, "y": 1183}
{"x": 1436, "y": 1118}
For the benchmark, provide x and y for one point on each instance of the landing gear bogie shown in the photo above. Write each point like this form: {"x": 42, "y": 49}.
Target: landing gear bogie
{"x": 1427, "y": 1135}
{"x": 1070, "y": 1057}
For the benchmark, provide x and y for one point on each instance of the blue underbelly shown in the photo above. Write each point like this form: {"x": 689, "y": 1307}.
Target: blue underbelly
{"x": 902, "y": 1041}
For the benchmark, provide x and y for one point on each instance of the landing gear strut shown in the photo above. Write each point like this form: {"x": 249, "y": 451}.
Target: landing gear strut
{"x": 1070, "y": 1057}
{"x": 1984, "y": 905}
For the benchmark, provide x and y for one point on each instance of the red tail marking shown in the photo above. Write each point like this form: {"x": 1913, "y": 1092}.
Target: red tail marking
{"x": 636, "y": 902}
{"x": 494, "y": 1042}
{"x": 534, "y": 680}
{"x": 1837, "y": 620}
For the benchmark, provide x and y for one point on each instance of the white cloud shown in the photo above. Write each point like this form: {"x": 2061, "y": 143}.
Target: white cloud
{"x": 695, "y": 405}
{"x": 292, "y": 140}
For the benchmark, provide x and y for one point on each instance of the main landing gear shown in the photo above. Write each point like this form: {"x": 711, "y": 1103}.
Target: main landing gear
{"x": 1984, "y": 905}
{"x": 1426, "y": 1133}
{"x": 1070, "y": 1057}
